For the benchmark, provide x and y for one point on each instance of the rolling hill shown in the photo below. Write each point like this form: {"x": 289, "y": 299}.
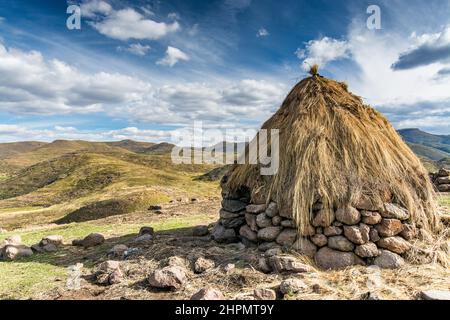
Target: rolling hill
{"x": 13, "y": 148}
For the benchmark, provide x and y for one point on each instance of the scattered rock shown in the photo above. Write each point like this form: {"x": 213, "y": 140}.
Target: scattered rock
{"x": 155, "y": 207}
{"x": 144, "y": 238}
{"x": 16, "y": 251}
{"x": 265, "y": 294}
{"x": 409, "y": 232}
{"x": 292, "y": 286}
{"x": 263, "y": 265}
{"x": 255, "y": 208}
{"x": 91, "y": 240}
{"x": 370, "y": 217}
{"x": 56, "y": 240}
{"x": 287, "y": 237}
{"x": 202, "y": 265}
{"x": 348, "y": 215}
{"x": 340, "y": 243}
{"x": 443, "y": 187}
{"x": 394, "y": 244}
{"x": 267, "y": 245}
{"x": 250, "y": 220}
{"x": 435, "y": 295}
{"x": 200, "y": 231}
{"x": 118, "y": 251}
{"x": 233, "y": 206}
{"x": 108, "y": 273}
{"x": 272, "y": 209}
{"x": 389, "y": 227}
{"x": 305, "y": 247}
{"x": 273, "y": 252}
{"x": 367, "y": 250}
{"x": 357, "y": 234}
{"x": 170, "y": 277}
{"x": 146, "y": 230}
{"x": 223, "y": 235}
{"x": 208, "y": 294}
{"x": 393, "y": 211}
{"x": 247, "y": 233}
{"x": 281, "y": 264}
{"x": 388, "y": 260}
{"x": 269, "y": 233}
{"x": 176, "y": 261}
{"x": 332, "y": 231}
{"x": 319, "y": 240}
{"x": 323, "y": 218}
{"x": 327, "y": 259}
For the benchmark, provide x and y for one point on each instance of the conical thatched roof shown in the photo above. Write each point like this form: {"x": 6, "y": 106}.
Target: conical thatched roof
{"x": 336, "y": 149}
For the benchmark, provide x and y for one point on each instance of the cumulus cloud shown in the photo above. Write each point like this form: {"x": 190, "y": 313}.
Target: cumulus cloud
{"x": 136, "y": 49}
{"x": 124, "y": 24}
{"x": 173, "y": 55}
{"x": 427, "y": 49}
{"x": 262, "y": 32}
{"x": 323, "y": 51}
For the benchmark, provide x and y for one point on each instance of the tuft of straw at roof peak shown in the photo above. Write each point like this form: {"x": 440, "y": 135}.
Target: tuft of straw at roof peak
{"x": 314, "y": 70}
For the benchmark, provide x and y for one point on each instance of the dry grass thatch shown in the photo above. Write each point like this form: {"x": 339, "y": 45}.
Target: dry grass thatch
{"x": 335, "y": 148}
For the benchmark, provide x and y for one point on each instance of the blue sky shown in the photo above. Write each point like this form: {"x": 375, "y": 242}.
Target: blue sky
{"x": 141, "y": 69}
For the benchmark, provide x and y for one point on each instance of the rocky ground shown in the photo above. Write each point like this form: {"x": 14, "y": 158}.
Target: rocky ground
{"x": 162, "y": 259}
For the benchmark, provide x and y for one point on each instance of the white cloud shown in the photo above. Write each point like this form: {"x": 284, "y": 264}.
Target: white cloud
{"x": 136, "y": 49}
{"x": 173, "y": 16}
{"x": 262, "y": 32}
{"x": 323, "y": 51}
{"x": 124, "y": 24}
{"x": 173, "y": 55}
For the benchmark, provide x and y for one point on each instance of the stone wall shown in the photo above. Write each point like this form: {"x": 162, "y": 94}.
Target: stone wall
{"x": 441, "y": 180}
{"x": 355, "y": 235}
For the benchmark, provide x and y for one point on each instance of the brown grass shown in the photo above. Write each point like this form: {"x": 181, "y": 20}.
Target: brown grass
{"x": 335, "y": 148}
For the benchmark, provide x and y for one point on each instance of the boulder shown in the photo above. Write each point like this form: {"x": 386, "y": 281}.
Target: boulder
{"x": 287, "y": 237}
{"x": 201, "y": 265}
{"x": 370, "y": 217}
{"x": 272, "y": 209}
{"x": 443, "y": 295}
{"x": 146, "y": 230}
{"x": 208, "y": 294}
{"x": 332, "y": 231}
{"x": 367, "y": 250}
{"x": 263, "y": 265}
{"x": 222, "y": 235}
{"x": 388, "y": 260}
{"x": 247, "y": 233}
{"x": 323, "y": 218}
{"x": 250, "y": 219}
{"x": 50, "y": 247}
{"x": 394, "y": 244}
{"x": 263, "y": 221}
{"x": 269, "y": 233}
{"x": 443, "y": 173}
{"x": 357, "y": 234}
{"x": 200, "y": 231}
{"x": 288, "y": 223}
{"x": 264, "y": 294}
{"x": 170, "y": 277}
{"x": 281, "y": 264}
{"x": 443, "y": 187}
{"x": 304, "y": 247}
{"x": 393, "y": 211}
{"x": 233, "y": 205}
{"x": 144, "y": 238}
{"x": 443, "y": 180}
{"x": 53, "y": 239}
{"x": 340, "y": 243}
{"x": 255, "y": 208}
{"x": 108, "y": 273}
{"x": 319, "y": 240}
{"x": 91, "y": 240}
{"x": 276, "y": 221}
{"x": 13, "y": 252}
{"x": 292, "y": 286}
{"x": 118, "y": 251}
{"x": 373, "y": 235}
{"x": 176, "y": 261}
{"x": 224, "y": 214}
{"x": 365, "y": 203}
{"x": 409, "y": 232}
{"x": 389, "y": 227}
{"x": 330, "y": 259}
{"x": 348, "y": 215}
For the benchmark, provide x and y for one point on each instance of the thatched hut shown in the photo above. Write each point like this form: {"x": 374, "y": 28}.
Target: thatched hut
{"x": 346, "y": 181}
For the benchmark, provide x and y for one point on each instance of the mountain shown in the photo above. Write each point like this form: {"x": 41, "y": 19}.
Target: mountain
{"x": 131, "y": 145}
{"x": 13, "y": 148}
{"x": 429, "y": 146}
{"x": 160, "y": 148}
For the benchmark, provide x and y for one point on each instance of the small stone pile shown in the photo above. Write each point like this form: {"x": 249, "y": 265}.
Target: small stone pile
{"x": 12, "y": 249}
{"x": 441, "y": 180}
{"x": 359, "y": 235}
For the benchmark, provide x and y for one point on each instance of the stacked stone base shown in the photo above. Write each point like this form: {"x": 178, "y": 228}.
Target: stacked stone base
{"x": 360, "y": 235}
{"x": 441, "y": 180}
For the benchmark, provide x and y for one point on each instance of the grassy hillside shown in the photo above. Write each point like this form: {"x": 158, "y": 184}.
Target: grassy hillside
{"x": 13, "y": 148}
{"x": 416, "y": 136}
{"x": 131, "y": 145}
